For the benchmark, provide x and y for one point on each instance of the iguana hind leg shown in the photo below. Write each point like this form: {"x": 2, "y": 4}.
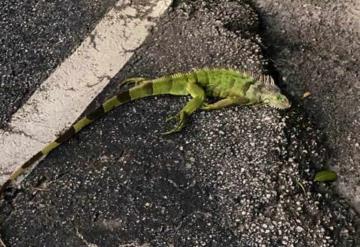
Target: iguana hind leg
{"x": 224, "y": 103}
{"x": 135, "y": 80}
{"x": 195, "y": 103}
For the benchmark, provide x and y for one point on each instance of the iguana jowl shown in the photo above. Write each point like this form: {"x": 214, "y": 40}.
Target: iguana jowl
{"x": 230, "y": 86}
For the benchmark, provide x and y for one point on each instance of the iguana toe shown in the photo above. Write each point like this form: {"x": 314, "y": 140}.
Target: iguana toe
{"x": 181, "y": 117}
{"x": 137, "y": 81}
{"x": 205, "y": 106}
{"x": 169, "y": 118}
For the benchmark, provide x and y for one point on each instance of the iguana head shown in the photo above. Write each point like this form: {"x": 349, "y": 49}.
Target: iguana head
{"x": 269, "y": 94}
{"x": 275, "y": 99}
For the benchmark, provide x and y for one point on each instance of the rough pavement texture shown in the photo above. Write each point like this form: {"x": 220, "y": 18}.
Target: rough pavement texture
{"x": 35, "y": 37}
{"x": 316, "y": 47}
{"x": 241, "y": 176}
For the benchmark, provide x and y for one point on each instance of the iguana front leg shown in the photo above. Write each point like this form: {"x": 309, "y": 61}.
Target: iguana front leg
{"x": 195, "y": 103}
{"x": 225, "y": 102}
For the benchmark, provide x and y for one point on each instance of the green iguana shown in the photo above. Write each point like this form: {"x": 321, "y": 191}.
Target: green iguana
{"x": 230, "y": 86}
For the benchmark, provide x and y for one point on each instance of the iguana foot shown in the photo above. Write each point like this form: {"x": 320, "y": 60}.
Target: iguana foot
{"x": 169, "y": 118}
{"x": 225, "y": 103}
{"x": 205, "y": 106}
{"x": 181, "y": 118}
{"x": 134, "y": 80}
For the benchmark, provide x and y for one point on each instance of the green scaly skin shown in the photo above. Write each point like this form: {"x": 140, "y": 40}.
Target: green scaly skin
{"x": 231, "y": 87}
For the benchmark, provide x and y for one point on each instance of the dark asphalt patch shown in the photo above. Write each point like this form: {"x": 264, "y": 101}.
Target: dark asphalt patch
{"x": 230, "y": 178}
{"x": 36, "y": 36}
{"x": 314, "y": 45}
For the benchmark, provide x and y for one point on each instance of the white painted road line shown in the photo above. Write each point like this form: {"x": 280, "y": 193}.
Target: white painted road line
{"x": 67, "y": 92}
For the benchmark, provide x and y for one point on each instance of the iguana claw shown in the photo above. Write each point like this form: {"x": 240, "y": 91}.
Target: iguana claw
{"x": 169, "y": 118}
{"x": 205, "y": 106}
{"x": 181, "y": 117}
{"x": 134, "y": 80}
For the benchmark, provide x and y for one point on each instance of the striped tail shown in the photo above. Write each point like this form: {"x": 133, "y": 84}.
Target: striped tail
{"x": 144, "y": 90}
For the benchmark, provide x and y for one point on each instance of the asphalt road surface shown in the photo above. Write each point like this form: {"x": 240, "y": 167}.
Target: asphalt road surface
{"x": 35, "y": 37}
{"x": 241, "y": 176}
{"x": 315, "y": 45}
